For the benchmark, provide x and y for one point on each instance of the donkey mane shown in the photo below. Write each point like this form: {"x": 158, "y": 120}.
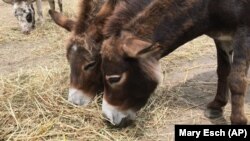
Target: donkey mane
{"x": 139, "y": 17}
{"x": 123, "y": 14}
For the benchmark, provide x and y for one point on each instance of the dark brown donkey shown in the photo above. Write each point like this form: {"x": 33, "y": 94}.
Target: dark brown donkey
{"x": 83, "y": 50}
{"x": 143, "y": 31}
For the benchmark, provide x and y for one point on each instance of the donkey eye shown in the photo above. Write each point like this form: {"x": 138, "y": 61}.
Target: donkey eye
{"x": 112, "y": 79}
{"x": 89, "y": 66}
{"x": 29, "y": 17}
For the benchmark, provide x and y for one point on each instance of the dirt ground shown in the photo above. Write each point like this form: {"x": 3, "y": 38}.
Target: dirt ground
{"x": 22, "y": 52}
{"x": 189, "y": 81}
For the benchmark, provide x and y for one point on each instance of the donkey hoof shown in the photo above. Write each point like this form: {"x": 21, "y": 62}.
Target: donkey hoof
{"x": 238, "y": 120}
{"x": 213, "y": 113}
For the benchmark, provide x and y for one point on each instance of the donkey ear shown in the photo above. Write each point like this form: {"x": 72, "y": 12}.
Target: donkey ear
{"x": 142, "y": 49}
{"x": 62, "y": 21}
{"x": 105, "y": 11}
{"x": 9, "y": 1}
{"x": 153, "y": 50}
{"x": 83, "y": 16}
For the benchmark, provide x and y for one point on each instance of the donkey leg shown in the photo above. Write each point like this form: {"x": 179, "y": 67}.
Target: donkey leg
{"x": 39, "y": 11}
{"x": 224, "y": 60}
{"x": 60, "y": 5}
{"x": 237, "y": 77}
{"x": 52, "y": 4}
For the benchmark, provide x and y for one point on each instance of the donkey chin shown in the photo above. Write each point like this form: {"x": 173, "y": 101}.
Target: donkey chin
{"x": 78, "y": 97}
{"x": 116, "y": 116}
{"x": 27, "y": 28}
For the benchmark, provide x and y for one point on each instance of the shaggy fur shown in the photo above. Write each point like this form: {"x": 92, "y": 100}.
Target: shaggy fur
{"x": 83, "y": 47}
{"x": 145, "y": 30}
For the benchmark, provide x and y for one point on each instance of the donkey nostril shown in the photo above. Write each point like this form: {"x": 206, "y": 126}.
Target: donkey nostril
{"x": 124, "y": 123}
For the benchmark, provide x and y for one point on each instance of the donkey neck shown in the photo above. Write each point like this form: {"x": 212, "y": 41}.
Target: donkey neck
{"x": 171, "y": 22}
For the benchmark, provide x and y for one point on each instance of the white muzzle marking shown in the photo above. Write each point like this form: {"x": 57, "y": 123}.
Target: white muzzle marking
{"x": 114, "y": 115}
{"x": 78, "y": 97}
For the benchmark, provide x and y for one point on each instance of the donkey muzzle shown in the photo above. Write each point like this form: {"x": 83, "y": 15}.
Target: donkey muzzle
{"x": 115, "y": 116}
{"x": 78, "y": 97}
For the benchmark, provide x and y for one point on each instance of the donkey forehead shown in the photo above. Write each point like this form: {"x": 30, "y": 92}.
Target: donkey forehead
{"x": 21, "y": 8}
{"x": 21, "y": 5}
{"x": 78, "y": 52}
{"x": 82, "y": 41}
{"x": 112, "y": 50}
{"x": 77, "y": 49}
{"x": 113, "y": 63}
{"x": 114, "y": 44}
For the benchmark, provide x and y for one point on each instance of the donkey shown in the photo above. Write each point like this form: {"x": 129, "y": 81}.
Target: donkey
{"x": 83, "y": 50}
{"x": 140, "y": 32}
{"x": 25, "y": 13}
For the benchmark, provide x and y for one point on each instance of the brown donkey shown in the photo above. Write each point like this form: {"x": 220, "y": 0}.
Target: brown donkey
{"x": 143, "y": 31}
{"x": 83, "y": 50}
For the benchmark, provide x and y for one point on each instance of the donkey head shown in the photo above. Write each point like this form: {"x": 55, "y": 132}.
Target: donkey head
{"x": 25, "y": 14}
{"x": 83, "y": 50}
{"x": 131, "y": 73}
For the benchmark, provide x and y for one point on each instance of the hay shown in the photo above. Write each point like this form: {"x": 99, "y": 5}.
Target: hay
{"x": 34, "y": 106}
{"x": 33, "y": 95}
